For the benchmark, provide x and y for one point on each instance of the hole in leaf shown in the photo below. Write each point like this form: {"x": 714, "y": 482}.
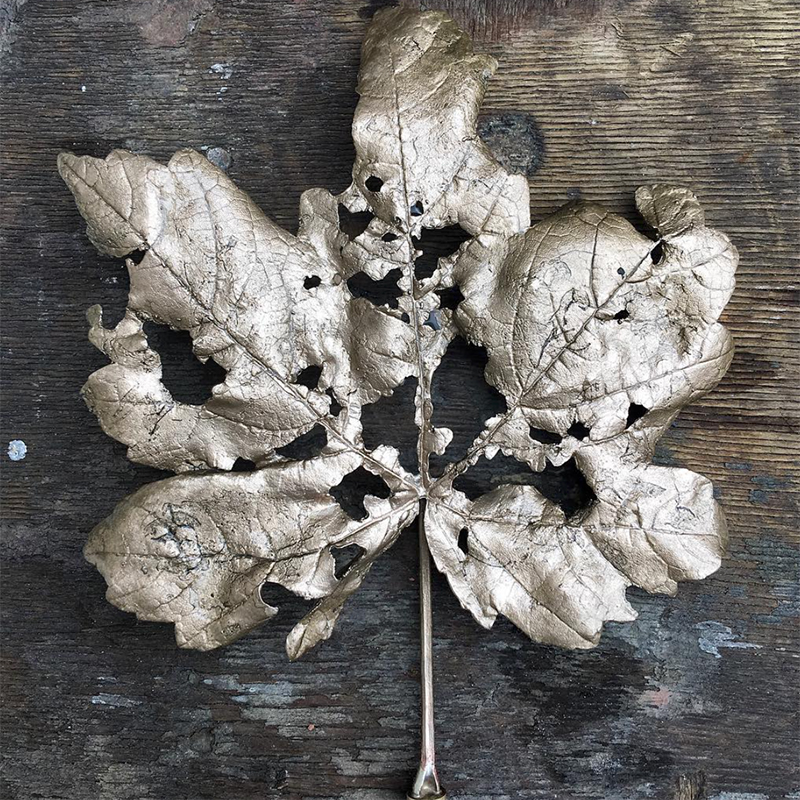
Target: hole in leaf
{"x": 312, "y": 281}
{"x": 353, "y": 223}
{"x": 417, "y": 209}
{"x": 462, "y": 399}
{"x": 137, "y": 256}
{"x": 186, "y": 377}
{"x": 564, "y": 485}
{"x": 309, "y": 377}
{"x": 450, "y": 298}
{"x": 382, "y": 292}
{"x": 388, "y": 237}
{"x": 436, "y": 243}
{"x": 391, "y": 421}
{"x": 350, "y": 492}
{"x": 621, "y": 315}
{"x": 405, "y": 318}
{"x": 345, "y": 557}
{"x": 545, "y": 437}
{"x": 305, "y": 446}
{"x": 243, "y": 465}
{"x": 657, "y": 253}
{"x": 621, "y": 272}
{"x": 463, "y": 536}
{"x": 336, "y": 406}
{"x": 635, "y": 412}
{"x": 278, "y": 596}
{"x": 373, "y": 183}
{"x": 578, "y": 430}
{"x": 433, "y": 320}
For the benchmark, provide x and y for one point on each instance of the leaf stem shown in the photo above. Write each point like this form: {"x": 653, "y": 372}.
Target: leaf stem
{"x": 426, "y": 784}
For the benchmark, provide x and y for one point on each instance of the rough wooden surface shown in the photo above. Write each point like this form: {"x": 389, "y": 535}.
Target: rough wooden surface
{"x": 698, "y": 699}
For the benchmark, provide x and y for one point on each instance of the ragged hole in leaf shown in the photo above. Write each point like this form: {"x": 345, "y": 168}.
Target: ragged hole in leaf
{"x": 185, "y": 376}
{"x": 309, "y": 377}
{"x": 243, "y": 465}
{"x": 345, "y": 557}
{"x": 380, "y": 293}
{"x": 462, "y": 399}
{"x": 544, "y": 437}
{"x": 305, "y": 446}
{"x": 635, "y": 412}
{"x": 657, "y": 253}
{"x": 621, "y": 315}
{"x": 436, "y": 243}
{"x": 463, "y": 544}
{"x": 312, "y": 281}
{"x": 417, "y": 209}
{"x": 388, "y": 237}
{"x": 391, "y": 421}
{"x": 566, "y": 486}
{"x": 353, "y": 223}
{"x": 286, "y": 601}
{"x": 563, "y": 485}
{"x": 450, "y": 298}
{"x": 434, "y": 320}
{"x": 373, "y": 183}
{"x": 137, "y": 256}
{"x": 350, "y": 492}
{"x": 578, "y": 430}
{"x": 335, "y": 407}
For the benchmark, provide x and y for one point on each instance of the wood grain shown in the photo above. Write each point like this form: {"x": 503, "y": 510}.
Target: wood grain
{"x": 699, "y": 695}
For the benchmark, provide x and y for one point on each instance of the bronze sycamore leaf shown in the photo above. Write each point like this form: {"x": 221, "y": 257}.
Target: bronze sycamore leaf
{"x": 596, "y": 334}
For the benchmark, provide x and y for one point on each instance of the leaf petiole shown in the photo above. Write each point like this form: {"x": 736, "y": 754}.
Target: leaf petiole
{"x": 426, "y": 783}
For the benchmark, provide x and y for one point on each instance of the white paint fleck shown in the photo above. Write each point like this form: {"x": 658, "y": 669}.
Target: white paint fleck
{"x": 115, "y": 700}
{"x": 273, "y": 695}
{"x": 222, "y": 69}
{"x": 83, "y": 88}
{"x": 17, "y": 449}
{"x": 292, "y": 719}
{"x": 601, "y": 763}
{"x": 715, "y": 635}
{"x": 739, "y": 796}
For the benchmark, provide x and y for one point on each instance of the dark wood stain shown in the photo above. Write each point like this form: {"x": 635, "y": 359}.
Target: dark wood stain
{"x": 100, "y": 706}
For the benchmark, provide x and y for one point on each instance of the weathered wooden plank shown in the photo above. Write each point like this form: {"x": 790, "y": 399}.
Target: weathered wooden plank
{"x": 698, "y": 698}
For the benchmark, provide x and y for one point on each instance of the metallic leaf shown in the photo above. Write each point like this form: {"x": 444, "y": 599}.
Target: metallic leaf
{"x": 597, "y": 336}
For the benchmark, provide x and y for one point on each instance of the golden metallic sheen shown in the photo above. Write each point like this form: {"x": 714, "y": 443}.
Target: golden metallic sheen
{"x": 583, "y": 318}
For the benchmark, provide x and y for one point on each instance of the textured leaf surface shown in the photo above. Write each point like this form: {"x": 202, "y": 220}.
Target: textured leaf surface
{"x": 596, "y": 336}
